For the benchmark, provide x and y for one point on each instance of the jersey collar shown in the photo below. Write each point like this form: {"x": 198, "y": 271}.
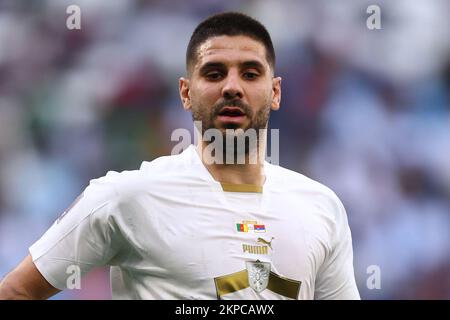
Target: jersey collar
{"x": 194, "y": 158}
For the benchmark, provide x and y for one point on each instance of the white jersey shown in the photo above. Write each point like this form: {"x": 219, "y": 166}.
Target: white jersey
{"x": 170, "y": 231}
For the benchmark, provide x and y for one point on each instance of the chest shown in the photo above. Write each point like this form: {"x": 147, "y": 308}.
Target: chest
{"x": 193, "y": 238}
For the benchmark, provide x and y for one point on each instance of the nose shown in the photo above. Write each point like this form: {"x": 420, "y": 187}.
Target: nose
{"x": 232, "y": 88}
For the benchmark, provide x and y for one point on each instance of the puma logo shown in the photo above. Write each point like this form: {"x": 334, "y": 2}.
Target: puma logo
{"x": 269, "y": 243}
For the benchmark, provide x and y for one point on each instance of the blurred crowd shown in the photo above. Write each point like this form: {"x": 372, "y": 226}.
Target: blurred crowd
{"x": 366, "y": 112}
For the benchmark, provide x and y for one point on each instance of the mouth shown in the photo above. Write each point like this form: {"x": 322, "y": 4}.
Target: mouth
{"x": 231, "y": 112}
{"x": 231, "y": 116}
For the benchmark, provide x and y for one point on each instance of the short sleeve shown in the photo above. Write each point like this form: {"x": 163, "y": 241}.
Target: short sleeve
{"x": 335, "y": 279}
{"x": 85, "y": 236}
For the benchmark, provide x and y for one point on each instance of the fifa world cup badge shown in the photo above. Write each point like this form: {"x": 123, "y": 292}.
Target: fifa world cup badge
{"x": 258, "y": 274}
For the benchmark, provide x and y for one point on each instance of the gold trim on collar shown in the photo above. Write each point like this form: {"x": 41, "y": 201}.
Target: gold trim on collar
{"x": 232, "y": 187}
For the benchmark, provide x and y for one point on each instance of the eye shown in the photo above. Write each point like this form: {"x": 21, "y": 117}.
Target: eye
{"x": 250, "y": 75}
{"x": 214, "y": 76}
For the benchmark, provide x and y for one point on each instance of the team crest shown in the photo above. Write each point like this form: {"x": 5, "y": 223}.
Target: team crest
{"x": 258, "y": 274}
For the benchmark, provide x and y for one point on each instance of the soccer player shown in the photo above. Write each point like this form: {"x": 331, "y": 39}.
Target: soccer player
{"x": 190, "y": 226}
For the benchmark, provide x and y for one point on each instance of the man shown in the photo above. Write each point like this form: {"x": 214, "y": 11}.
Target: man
{"x": 190, "y": 226}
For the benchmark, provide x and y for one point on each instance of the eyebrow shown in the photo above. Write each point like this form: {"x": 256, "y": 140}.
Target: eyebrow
{"x": 243, "y": 65}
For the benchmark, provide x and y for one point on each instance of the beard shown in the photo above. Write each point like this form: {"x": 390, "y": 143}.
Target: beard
{"x": 258, "y": 120}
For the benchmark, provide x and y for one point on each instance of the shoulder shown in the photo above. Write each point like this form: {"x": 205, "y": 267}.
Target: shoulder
{"x": 165, "y": 164}
{"x": 132, "y": 182}
{"x": 297, "y": 184}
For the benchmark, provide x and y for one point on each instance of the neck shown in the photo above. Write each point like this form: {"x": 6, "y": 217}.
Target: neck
{"x": 250, "y": 172}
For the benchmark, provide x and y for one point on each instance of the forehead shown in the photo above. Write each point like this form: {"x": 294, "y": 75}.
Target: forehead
{"x": 230, "y": 49}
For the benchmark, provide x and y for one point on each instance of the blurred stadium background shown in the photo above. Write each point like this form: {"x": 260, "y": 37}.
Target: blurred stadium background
{"x": 366, "y": 112}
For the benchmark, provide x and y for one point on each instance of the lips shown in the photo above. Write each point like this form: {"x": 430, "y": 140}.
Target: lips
{"x": 232, "y": 116}
{"x": 231, "y": 112}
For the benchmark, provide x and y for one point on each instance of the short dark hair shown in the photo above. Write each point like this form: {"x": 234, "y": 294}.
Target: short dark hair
{"x": 229, "y": 24}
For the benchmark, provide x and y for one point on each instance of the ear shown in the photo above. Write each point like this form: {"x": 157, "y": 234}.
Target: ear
{"x": 184, "y": 93}
{"x": 276, "y": 99}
